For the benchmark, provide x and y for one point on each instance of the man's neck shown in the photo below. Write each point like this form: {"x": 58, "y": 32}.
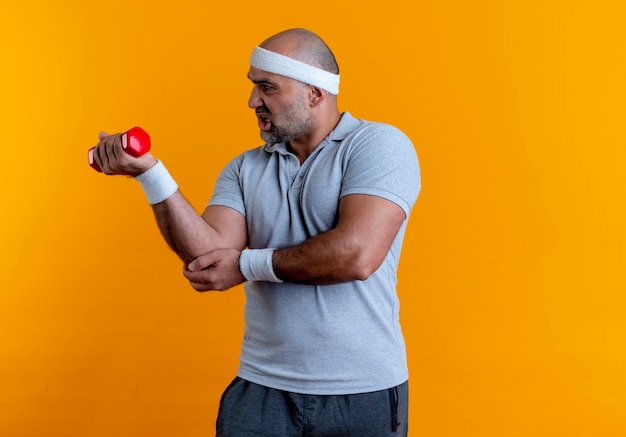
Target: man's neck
{"x": 303, "y": 147}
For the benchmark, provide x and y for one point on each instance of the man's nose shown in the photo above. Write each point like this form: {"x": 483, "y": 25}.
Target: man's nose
{"x": 255, "y": 100}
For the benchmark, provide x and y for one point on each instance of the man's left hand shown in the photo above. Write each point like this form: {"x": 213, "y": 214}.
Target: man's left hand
{"x": 216, "y": 270}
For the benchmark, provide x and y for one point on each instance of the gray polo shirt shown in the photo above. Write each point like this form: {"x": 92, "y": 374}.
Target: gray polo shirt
{"x": 322, "y": 339}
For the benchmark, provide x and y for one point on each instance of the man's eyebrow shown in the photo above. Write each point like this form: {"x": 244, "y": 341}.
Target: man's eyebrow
{"x": 261, "y": 80}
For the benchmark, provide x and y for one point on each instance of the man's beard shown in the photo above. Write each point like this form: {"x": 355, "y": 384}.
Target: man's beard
{"x": 276, "y": 135}
{"x": 294, "y": 122}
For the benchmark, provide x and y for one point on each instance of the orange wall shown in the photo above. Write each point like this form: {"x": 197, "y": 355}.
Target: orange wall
{"x": 512, "y": 279}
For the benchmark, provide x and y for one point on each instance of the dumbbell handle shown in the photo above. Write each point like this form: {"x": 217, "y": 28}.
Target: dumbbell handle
{"x": 135, "y": 142}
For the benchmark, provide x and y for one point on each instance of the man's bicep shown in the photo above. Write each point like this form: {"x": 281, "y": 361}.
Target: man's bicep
{"x": 229, "y": 224}
{"x": 372, "y": 222}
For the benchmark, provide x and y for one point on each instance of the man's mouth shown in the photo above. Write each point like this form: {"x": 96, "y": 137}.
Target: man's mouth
{"x": 265, "y": 124}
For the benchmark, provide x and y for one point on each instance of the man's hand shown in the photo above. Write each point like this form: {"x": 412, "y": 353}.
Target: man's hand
{"x": 216, "y": 270}
{"x": 110, "y": 156}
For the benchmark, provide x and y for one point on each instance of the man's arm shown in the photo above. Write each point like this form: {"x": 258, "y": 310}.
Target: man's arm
{"x": 191, "y": 235}
{"x": 352, "y": 250}
{"x": 186, "y": 232}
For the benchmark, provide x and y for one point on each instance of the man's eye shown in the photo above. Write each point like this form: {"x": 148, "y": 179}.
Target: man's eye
{"x": 267, "y": 88}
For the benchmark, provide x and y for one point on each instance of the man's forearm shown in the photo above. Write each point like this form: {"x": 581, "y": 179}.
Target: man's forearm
{"x": 328, "y": 258}
{"x": 352, "y": 251}
{"x": 184, "y": 230}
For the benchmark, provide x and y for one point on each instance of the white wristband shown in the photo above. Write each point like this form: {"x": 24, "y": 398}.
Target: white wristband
{"x": 256, "y": 265}
{"x": 157, "y": 183}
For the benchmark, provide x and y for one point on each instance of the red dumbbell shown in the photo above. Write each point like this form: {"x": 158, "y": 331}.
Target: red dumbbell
{"x": 135, "y": 142}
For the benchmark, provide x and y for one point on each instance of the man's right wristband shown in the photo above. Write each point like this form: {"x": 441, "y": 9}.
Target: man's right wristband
{"x": 157, "y": 183}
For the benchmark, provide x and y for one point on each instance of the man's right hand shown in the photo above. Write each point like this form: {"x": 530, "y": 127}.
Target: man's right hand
{"x": 110, "y": 156}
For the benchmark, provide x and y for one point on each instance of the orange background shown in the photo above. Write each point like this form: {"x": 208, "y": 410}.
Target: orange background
{"x": 512, "y": 277}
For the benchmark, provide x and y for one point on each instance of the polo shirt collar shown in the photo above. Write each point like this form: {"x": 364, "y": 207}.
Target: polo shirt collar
{"x": 345, "y": 127}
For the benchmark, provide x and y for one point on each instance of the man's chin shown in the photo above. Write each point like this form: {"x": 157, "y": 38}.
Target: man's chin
{"x": 270, "y": 137}
{"x": 266, "y": 136}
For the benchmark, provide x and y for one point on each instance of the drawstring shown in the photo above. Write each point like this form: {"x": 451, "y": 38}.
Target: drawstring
{"x": 393, "y": 400}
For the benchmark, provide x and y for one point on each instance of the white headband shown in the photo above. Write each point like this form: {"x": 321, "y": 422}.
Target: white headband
{"x": 276, "y": 63}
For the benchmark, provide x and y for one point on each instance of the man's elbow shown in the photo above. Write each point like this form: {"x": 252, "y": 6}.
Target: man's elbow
{"x": 362, "y": 267}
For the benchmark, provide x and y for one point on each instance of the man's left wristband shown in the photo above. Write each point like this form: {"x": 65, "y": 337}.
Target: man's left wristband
{"x": 256, "y": 265}
{"x": 157, "y": 183}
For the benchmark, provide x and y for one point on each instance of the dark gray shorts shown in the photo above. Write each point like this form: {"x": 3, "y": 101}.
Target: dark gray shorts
{"x": 252, "y": 410}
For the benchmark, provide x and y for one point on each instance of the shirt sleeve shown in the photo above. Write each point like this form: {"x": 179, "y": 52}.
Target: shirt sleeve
{"x": 227, "y": 190}
{"x": 382, "y": 162}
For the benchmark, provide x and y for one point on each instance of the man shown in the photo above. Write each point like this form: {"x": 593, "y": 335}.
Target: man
{"x": 313, "y": 222}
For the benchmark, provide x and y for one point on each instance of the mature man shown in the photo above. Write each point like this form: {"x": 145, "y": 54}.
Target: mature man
{"x": 313, "y": 222}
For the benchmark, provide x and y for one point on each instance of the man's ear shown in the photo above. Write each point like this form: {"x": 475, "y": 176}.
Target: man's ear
{"x": 317, "y": 96}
